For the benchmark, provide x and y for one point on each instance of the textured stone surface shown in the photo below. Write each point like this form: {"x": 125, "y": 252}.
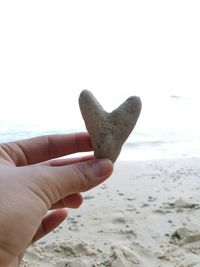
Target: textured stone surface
{"x": 108, "y": 131}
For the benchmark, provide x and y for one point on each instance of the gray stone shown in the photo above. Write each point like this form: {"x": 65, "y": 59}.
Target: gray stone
{"x": 108, "y": 131}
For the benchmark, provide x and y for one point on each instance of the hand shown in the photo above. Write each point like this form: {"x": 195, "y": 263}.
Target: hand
{"x": 31, "y": 183}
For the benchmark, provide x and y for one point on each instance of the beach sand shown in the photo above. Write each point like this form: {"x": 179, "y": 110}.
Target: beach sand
{"x": 146, "y": 214}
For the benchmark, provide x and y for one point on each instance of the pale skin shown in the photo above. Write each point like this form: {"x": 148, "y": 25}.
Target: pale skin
{"x": 33, "y": 181}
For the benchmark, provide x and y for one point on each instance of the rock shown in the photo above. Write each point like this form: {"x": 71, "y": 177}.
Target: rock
{"x": 78, "y": 263}
{"x": 88, "y": 197}
{"x": 184, "y": 236}
{"x": 123, "y": 257}
{"x": 108, "y": 131}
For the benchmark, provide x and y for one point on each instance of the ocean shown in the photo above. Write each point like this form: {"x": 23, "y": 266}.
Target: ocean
{"x": 167, "y": 128}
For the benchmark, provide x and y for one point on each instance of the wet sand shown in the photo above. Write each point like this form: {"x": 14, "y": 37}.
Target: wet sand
{"x": 146, "y": 214}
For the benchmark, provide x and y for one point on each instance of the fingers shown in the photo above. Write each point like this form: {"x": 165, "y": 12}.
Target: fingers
{"x": 83, "y": 176}
{"x": 57, "y": 183}
{"x": 72, "y": 201}
{"x": 67, "y": 161}
{"x": 49, "y": 223}
{"x": 39, "y": 149}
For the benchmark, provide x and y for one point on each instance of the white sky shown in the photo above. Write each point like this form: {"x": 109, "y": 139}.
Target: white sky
{"x": 51, "y": 50}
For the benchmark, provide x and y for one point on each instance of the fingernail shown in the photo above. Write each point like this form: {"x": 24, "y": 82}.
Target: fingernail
{"x": 101, "y": 167}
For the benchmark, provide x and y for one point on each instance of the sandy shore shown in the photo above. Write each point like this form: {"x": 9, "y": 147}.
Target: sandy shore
{"x": 147, "y": 214}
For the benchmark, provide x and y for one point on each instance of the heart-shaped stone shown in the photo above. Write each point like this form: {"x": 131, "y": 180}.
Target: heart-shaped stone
{"x": 108, "y": 131}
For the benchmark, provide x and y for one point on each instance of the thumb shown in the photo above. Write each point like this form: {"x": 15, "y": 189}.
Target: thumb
{"x": 59, "y": 182}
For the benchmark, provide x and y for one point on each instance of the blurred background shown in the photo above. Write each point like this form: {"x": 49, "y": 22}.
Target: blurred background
{"x": 51, "y": 50}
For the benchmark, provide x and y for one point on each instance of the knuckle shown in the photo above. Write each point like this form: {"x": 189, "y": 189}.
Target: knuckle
{"x": 85, "y": 176}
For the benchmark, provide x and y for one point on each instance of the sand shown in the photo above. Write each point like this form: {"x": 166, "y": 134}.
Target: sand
{"x": 146, "y": 214}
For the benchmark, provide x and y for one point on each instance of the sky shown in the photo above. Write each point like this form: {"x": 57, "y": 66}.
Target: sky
{"x": 51, "y": 50}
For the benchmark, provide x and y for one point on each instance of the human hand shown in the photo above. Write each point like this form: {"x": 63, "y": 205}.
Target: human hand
{"x": 31, "y": 183}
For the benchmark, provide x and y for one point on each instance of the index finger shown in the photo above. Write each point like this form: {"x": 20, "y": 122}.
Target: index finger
{"x": 43, "y": 148}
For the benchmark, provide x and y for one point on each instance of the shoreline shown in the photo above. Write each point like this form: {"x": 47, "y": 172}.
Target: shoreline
{"x": 146, "y": 214}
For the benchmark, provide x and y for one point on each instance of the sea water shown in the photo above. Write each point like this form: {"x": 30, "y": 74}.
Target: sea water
{"x": 168, "y": 126}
